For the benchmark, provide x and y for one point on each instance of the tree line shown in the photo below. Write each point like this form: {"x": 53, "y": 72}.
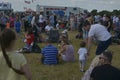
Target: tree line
{"x": 114, "y": 12}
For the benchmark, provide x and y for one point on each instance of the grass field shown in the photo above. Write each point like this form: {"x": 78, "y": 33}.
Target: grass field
{"x": 64, "y": 71}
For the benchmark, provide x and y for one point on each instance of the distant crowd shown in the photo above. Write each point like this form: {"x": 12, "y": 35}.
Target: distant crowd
{"x": 101, "y": 29}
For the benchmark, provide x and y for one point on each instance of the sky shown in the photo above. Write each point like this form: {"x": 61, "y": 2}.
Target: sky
{"x": 100, "y": 5}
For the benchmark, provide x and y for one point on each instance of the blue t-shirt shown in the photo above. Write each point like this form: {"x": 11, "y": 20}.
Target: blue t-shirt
{"x": 17, "y": 25}
{"x": 50, "y": 55}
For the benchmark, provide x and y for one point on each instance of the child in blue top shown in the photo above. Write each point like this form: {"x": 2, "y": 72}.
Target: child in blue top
{"x": 17, "y": 26}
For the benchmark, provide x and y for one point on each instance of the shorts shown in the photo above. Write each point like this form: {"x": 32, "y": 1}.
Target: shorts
{"x": 102, "y": 46}
{"x": 82, "y": 62}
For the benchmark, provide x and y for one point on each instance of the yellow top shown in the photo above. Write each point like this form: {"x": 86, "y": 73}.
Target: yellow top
{"x": 17, "y": 60}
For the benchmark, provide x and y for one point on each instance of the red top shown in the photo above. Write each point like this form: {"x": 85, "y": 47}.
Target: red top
{"x": 30, "y": 38}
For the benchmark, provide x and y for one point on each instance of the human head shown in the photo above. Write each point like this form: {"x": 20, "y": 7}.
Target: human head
{"x": 82, "y": 44}
{"x": 64, "y": 39}
{"x": 86, "y": 25}
{"x": 107, "y": 56}
{"x": 30, "y": 31}
{"x": 7, "y": 36}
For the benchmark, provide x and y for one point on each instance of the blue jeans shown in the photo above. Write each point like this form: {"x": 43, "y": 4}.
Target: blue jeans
{"x": 102, "y": 46}
{"x": 29, "y": 47}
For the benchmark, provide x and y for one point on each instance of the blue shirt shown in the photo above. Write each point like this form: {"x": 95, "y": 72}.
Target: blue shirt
{"x": 50, "y": 55}
{"x": 17, "y": 25}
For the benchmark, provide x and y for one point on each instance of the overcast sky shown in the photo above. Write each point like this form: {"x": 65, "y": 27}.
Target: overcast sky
{"x": 86, "y": 4}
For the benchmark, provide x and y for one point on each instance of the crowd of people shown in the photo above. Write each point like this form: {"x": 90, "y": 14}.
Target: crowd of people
{"x": 90, "y": 28}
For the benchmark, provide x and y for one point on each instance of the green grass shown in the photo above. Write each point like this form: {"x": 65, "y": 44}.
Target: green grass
{"x": 63, "y": 71}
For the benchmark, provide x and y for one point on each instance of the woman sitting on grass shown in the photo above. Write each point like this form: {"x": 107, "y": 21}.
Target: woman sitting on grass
{"x": 66, "y": 50}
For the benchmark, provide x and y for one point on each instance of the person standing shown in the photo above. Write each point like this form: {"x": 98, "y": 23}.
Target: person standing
{"x": 17, "y": 27}
{"x": 13, "y": 66}
{"x": 82, "y": 55}
{"x": 99, "y": 33}
{"x": 41, "y": 21}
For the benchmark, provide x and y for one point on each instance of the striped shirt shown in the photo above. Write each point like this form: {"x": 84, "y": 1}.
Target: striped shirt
{"x": 50, "y": 55}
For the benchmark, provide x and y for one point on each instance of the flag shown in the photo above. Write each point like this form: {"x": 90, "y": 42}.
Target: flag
{"x": 28, "y": 2}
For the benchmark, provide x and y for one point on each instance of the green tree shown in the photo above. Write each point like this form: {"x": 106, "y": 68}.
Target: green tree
{"x": 94, "y": 12}
{"x": 116, "y": 12}
{"x": 104, "y": 12}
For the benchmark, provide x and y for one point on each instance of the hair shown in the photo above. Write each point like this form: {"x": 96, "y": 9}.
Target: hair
{"x": 108, "y": 55}
{"x": 83, "y": 44}
{"x": 30, "y": 31}
{"x": 66, "y": 42}
{"x": 65, "y": 39}
{"x": 7, "y": 36}
{"x": 86, "y": 22}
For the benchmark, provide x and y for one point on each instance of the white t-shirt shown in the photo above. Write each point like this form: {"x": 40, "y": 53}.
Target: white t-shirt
{"x": 33, "y": 20}
{"x": 41, "y": 19}
{"x": 99, "y": 32}
{"x": 48, "y": 28}
{"x": 82, "y": 53}
{"x": 57, "y": 26}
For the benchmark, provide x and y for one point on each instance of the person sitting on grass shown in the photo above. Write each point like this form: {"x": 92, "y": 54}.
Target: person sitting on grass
{"x": 48, "y": 27}
{"x": 29, "y": 39}
{"x": 49, "y": 54}
{"x": 106, "y": 71}
{"x": 66, "y": 50}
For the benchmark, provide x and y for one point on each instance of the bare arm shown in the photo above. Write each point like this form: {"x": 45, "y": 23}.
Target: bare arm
{"x": 89, "y": 44}
{"x": 108, "y": 24}
{"x": 27, "y": 72}
{"x": 62, "y": 49}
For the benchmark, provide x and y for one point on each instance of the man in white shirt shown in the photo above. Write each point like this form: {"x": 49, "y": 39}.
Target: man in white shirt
{"x": 48, "y": 27}
{"x": 41, "y": 21}
{"x": 100, "y": 33}
{"x": 33, "y": 20}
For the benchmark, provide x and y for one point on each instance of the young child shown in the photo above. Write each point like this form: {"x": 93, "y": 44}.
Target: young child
{"x": 17, "y": 26}
{"x": 82, "y": 55}
{"x": 29, "y": 39}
